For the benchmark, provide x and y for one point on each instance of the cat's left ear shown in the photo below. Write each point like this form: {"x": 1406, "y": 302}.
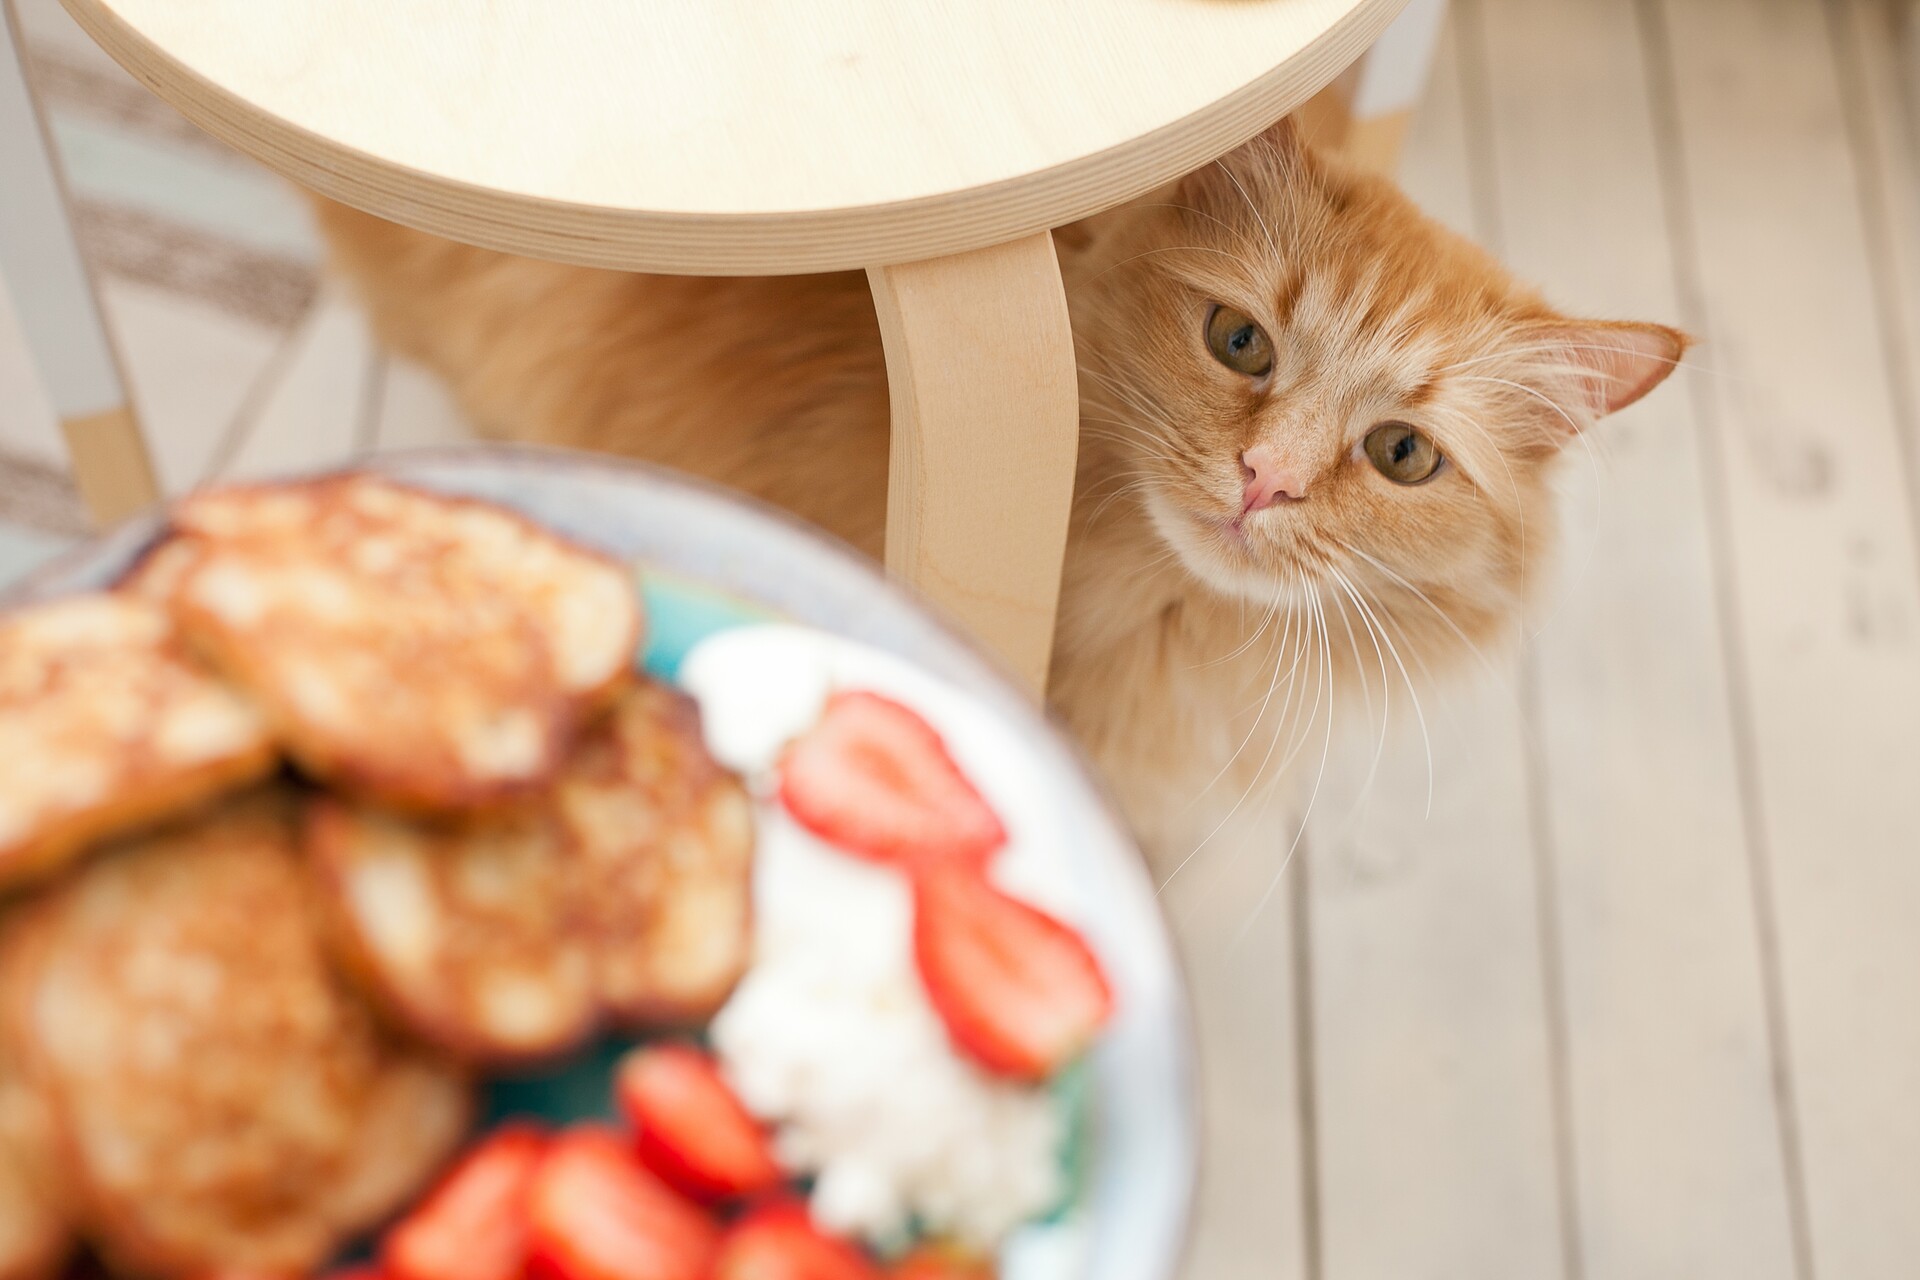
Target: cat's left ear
{"x": 1620, "y": 360}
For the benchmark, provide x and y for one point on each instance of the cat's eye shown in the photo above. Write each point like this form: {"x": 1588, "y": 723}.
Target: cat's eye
{"x": 1403, "y": 454}
{"x": 1237, "y": 342}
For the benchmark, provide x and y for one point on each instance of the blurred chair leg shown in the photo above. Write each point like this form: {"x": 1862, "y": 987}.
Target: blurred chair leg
{"x": 53, "y": 294}
{"x": 1364, "y": 114}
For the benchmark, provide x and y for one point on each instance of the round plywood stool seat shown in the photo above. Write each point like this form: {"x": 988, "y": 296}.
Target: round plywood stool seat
{"x": 933, "y": 145}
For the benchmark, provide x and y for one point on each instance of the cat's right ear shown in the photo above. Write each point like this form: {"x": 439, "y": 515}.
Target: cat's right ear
{"x": 1275, "y": 148}
{"x": 1618, "y": 360}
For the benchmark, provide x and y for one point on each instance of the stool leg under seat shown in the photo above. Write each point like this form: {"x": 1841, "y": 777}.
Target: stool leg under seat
{"x": 44, "y": 273}
{"x": 986, "y": 433}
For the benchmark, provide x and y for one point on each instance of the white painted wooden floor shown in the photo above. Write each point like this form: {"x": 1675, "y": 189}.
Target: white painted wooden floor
{"x": 1635, "y": 995}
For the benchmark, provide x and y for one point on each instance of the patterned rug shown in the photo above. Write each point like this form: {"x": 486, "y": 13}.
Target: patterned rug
{"x": 158, "y": 205}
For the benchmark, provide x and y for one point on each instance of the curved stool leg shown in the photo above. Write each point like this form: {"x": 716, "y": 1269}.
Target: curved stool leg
{"x": 40, "y": 264}
{"x": 986, "y": 423}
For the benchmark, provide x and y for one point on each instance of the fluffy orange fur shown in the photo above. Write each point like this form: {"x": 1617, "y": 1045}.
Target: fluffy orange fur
{"x": 1188, "y": 637}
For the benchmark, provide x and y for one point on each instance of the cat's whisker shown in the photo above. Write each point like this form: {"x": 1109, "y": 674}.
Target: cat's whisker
{"x": 1513, "y": 485}
{"x": 1127, "y": 490}
{"x": 1272, "y": 612}
{"x": 1486, "y": 664}
{"x": 1299, "y": 731}
{"x": 1286, "y": 722}
{"x": 1259, "y": 218}
{"x": 1353, "y": 645}
{"x": 1573, "y": 424}
{"x": 1413, "y": 693}
{"x": 1125, "y": 424}
{"x": 1134, "y": 396}
{"x": 1593, "y": 464}
{"x": 1187, "y": 208}
{"x": 1380, "y": 744}
{"x": 1313, "y": 797}
{"x": 1272, "y": 684}
{"x": 1580, "y": 370}
{"x": 1148, "y": 446}
{"x": 1148, "y": 253}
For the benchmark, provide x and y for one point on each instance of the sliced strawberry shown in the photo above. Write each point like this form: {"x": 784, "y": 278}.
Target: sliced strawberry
{"x": 692, "y": 1130}
{"x": 1020, "y": 992}
{"x": 779, "y": 1241}
{"x": 594, "y": 1212}
{"x": 472, "y": 1226}
{"x": 942, "y": 1262}
{"x": 875, "y": 779}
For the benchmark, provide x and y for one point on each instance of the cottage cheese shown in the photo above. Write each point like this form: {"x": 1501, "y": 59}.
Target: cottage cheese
{"x": 830, "y": 1036}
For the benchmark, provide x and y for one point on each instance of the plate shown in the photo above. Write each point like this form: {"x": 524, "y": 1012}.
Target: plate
{"x": 709, "y": 561}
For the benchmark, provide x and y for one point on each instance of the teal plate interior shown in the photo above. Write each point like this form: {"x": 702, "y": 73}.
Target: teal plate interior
{"x": 709, "y": 560}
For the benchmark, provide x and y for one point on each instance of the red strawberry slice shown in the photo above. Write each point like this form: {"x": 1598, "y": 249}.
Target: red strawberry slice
{"x": 692, "y": 1130}
{"x": 472, "y": 1226}
{"x": 779, "y": 1241}
{"x": 942, "y": 1262}
{"x": 595, "y": 1213}
{"x": 1020, "y": 992}
{"x": 875, "y": 779}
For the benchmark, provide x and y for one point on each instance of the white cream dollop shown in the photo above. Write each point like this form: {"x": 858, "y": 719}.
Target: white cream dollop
{"x": 830, "y": 1036}
{"x": 750, "y": 710}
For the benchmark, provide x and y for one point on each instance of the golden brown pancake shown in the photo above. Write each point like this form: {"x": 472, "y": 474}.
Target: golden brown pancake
{"x": 35, "y": 1232}
{"x": 105, "y": 724}
{"x": 466, "y": 935}
{"x": 157, "y": 574}
{"x": 666, "y": 844}
{"x": 222, "y": 1099}
{"x": 428, "y": 652}
{"x": 623, "y": 896}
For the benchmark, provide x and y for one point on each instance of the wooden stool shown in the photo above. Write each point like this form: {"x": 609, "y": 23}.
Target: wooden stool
{"x": 934, "y": 147}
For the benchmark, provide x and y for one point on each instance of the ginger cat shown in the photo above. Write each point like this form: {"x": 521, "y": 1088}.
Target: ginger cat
{"x": 1317, "y": 435}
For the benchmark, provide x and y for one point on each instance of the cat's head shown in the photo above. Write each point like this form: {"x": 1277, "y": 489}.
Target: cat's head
{"x": 1306, "y": 386}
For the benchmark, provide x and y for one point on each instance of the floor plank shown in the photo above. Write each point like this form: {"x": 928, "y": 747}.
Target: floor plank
{"x": 1816, "y": 531}
{"x": 1879, "y": 46}
{"x": 1432, "y": 1054}
{"x": 1675, "y": 1136}
{"x": 1251, "y": 1221}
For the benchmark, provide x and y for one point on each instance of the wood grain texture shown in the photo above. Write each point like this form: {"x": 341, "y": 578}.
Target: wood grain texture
{"x": 1254, "y": 1217}
{"x": 1433, "y": 1045}
{"x": 732, "y": 139}
{"x": 1819, "y": 537}
{"x": 1675, "y": 1135}
{"x": 986, "y": 428}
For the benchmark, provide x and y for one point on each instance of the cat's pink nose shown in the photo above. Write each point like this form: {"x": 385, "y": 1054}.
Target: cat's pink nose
{"x": 1270, "y": 480}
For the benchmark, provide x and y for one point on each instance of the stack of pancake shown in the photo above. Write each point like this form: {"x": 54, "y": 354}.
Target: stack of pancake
{"x": 347, "y": 793}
